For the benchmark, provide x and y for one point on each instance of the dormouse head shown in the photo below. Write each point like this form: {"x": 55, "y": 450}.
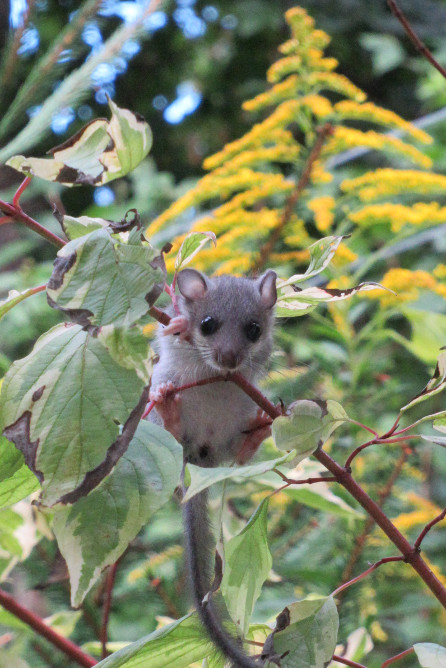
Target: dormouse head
{"x": 230, "y": 318}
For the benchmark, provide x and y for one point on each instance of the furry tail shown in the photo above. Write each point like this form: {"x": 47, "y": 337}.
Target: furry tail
{"x": 198, "y": 543}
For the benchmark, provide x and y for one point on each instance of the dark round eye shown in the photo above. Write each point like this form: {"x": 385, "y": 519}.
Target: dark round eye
{"x": 209, "y": 325}
{"x": 252, "y": 331}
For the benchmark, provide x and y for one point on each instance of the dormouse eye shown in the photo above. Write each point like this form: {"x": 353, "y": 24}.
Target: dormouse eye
{"x": 209, "y": 325}
{"x": 252, "y": 331}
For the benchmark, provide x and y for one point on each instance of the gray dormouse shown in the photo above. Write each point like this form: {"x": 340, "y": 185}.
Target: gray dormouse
{"x": 224, "y": 325}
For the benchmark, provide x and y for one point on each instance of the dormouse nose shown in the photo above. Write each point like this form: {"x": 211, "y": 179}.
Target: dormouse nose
{"x": 228, "y": 359}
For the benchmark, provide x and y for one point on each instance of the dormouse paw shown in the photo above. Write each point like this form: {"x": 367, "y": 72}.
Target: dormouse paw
{"x": 168, "y": 407}
{"x": 160, "y": 393}
{"x": 179, "y": 324}
{"x": 259, "y": 429}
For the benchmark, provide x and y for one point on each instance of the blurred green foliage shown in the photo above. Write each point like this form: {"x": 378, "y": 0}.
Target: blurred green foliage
{"x": 371, "y": 378}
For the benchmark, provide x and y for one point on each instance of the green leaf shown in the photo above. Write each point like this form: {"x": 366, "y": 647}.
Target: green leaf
{"x": 292, "y": 301}
{"x": 79, "y": 227}
{"x": 435, "y": 385}
{"x": 387, "y": 52}
{"x": 308, "y": 426}
{"x": 247, "y": 565}
{"x": 430, "y": 655}
{"x": 202, "y": 478}
{"x": 129, "y": 348}
{"x": 321, "y": 253}
{"x": 308, "y": 633}
{"x": 192, "y": 244}
{"x": 100, "y": 280}
{"x": 428, "y": 333}
{"x": 14, "y": 297}
{"x": 176, "y": 645}
{"x": 95, "y": 531}
{"x": 16, "y": 480}
{"x": 99, "y": 153}
{"x": 63, "y": 405}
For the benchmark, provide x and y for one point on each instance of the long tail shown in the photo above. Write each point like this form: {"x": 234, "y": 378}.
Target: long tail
{"x": 198, "y": 544}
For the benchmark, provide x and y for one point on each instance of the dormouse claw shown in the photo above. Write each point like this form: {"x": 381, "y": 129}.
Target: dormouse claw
{"x": 178, "y": 325}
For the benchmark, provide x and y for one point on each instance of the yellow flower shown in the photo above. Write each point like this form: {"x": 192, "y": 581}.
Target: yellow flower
{"x": 337, "y": 83}
{"x": 405, "y": 283}
{"x": 370, "y": 112}
{"x": 398, "y": 215}
{"x": 440, "y": 271}
{"x": 344, "y": 255}
{"x": 322, "y": 208}
{"x": 385, "y": 182}
{"x": 346, "y": 138}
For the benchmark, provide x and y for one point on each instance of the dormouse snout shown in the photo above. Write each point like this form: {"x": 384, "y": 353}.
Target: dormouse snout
{"x": 227, "y": 359}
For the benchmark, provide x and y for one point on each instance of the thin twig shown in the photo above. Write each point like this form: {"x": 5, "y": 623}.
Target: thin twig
{"x": 397, "y": 657}
{"x": 416, "y": 41}
{"x": 347, "y": 662}
{"x": 170, "y": 605}
{"x": 360, "y": 540}
{"x": 17, "y": 213}
{"x": 110, "y": 581}
{"x": 377, "y": 441}
{"x": 269, "y": 245}
{"x": 37, "y": 624}
{"x": 385, "y": 560}
{"x": 371, "y": 507}
{"x": 20, "y": 190}
{"x": 428, "y": 527}
{"x": 307, "y": 481}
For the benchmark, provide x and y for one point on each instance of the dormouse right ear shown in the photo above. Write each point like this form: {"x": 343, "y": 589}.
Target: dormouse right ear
{"x": 192, "y": 284}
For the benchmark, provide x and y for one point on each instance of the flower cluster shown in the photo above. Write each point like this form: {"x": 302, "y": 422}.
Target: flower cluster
{"x": 252, "y": 193}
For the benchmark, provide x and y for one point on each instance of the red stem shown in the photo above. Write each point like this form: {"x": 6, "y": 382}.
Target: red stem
{"x": 6, "y": 219}
{"x": 347, "y": 662}
{"x": 365, "y": 573}
{"x": 16, "y": 213}
{"x": 410, "y": 555}
{"x": 111, "y": 575}
{"x": 416, "y": 41}
{"x": 38, "y": 625}
{"x": 307, "y": 481}
{"x": 428, "y": 527}
{"x": 376, "y": 441}
{"x": 21, "y": 189}
{"x": 397, "y": 657}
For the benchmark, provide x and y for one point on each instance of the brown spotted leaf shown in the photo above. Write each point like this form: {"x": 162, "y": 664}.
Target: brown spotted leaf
{"x": 101, "y": 279}
{"x": 72, "y": 410}
{"x": 101, "y": 152}
{"x": 294, "y": 301}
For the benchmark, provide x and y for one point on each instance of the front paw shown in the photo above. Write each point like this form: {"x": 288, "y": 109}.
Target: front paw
{"x": 259, "y": 428}
{"x": 168, "y": 407}
{"x": 179, "y": 324}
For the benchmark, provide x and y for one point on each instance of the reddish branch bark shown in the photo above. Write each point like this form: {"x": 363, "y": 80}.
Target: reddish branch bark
{"x": 347, "y": 662}
{"x": 37, "y": 624}
{"x": 397, "y": 657}
{"x": 304, "y": 179}
{"x": 15, "y": 212}
{"x": 416, "y": 41}
{"x": 111, "y": 576}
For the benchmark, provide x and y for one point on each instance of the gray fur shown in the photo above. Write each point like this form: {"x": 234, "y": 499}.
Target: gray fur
{"x": 214, "y": 417}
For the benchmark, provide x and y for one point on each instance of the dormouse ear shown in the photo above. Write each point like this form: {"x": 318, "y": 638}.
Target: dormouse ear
{"x": 192, "y": 284}
{"x": 267, "y": 288}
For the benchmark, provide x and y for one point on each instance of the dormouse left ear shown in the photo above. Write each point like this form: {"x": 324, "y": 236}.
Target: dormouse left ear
{"x": 267, "y": 288}
{"x": 192, "y": 284}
